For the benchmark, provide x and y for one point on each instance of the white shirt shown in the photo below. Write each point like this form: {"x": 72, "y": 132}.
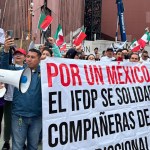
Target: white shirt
{"x": 148, "y": 60}
{"x": 106, "y": 58}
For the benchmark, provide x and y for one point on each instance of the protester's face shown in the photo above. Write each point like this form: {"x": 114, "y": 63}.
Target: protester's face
{"x": 91, "y": 57}
{"x": 45, "y": 54}
{"x": 134, "y": 58}
{"x": 144, "y": 56}
{"x": 76, "y": 57}
{"x": 97, "y": 56}
{"x": 32, "y": 60}
{"x": 103, "y": 54}
{"x": 19, "y": 58}
{"x": 95, "y": 51}
{"x": 119, "y": 55}
{"x": 109, "y": 54}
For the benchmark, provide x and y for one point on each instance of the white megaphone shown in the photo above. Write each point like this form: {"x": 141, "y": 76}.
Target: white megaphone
{"x": 18, "y": 78}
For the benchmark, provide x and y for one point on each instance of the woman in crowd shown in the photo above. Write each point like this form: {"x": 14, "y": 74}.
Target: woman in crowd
{"x": 119, "y": 55}
{"x": 46, "y": 53}
{"x": 90, "y": 57}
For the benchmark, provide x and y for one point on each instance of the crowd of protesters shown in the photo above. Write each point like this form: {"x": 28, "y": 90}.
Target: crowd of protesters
{"x": 23, "y": 112}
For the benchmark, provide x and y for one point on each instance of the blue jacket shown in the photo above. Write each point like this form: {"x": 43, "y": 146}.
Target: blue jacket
{"x": 27, "y": 104}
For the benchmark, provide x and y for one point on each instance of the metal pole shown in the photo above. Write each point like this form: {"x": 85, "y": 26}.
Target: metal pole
{"x": 121, "y": 19}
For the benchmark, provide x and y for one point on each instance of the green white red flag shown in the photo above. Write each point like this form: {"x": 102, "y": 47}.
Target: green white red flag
{"x": 44, "y": 21}
{"x": 144, "y": 39}
{"x": 78, "y": 40}
{"x": 135, "y": 46}
{"x": 59, "y": 36}
{"x": 63, "y": 47}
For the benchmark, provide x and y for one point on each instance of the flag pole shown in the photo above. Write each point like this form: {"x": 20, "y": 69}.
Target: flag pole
{"x": 29, "y": 23}
{"x": 21, "y": 40}
{"x": 116, "y": 37}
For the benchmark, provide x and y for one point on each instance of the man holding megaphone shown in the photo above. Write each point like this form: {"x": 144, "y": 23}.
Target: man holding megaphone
{"x": 26, "y": 107}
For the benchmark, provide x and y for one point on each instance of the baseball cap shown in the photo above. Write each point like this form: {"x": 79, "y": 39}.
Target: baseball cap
{"x": 20, "y": 50}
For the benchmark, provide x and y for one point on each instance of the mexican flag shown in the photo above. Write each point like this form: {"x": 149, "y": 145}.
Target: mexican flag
{"x": 135, "y": 46}
{"x": 78, "y": 40}
{"x": 144, "y": 39}
{"x": 44, "y": 21}
{"x": 63, "y": 47}
{"x": 59, "y": 36}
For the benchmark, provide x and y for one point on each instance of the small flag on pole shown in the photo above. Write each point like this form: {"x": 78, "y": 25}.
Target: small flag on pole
{"x": 144, "y": 39}
{"x": 78, "y": 40}
{"x": 41, "y": 19}
{"x": 59, "y": 36}
{"x": 63, "y": 47}
{"x": 44, "y": 21}
{"x": 135, "y": 46}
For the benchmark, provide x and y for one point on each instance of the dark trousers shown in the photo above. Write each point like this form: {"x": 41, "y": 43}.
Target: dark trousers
{"x": 7, "y": 120}
{"x": 1, "y": 116}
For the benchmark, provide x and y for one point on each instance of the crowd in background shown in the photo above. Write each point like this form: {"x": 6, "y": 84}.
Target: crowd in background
{"x": 23, "y": 112}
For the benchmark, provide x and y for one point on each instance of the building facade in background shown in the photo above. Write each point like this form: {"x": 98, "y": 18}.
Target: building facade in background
{"x": 136, "y": 15}
{"x": 16, "y": 15}
{"x": 68, "y": 13}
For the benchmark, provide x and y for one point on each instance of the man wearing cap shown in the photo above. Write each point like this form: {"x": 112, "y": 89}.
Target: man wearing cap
{"x": 26, "y": 107}
{"x": 109, "y": 55}
{"x": 18, "y": 61}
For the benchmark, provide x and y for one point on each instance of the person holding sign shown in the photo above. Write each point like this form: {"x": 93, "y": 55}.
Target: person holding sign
{"x": 119, "y": 55}
{"x": 46, "y": 53}
{"x": 90, "y": 57}
{"x": 134, "y": 57}
{"x": 144, "y": 57}
{"x": 109, "y": 55}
